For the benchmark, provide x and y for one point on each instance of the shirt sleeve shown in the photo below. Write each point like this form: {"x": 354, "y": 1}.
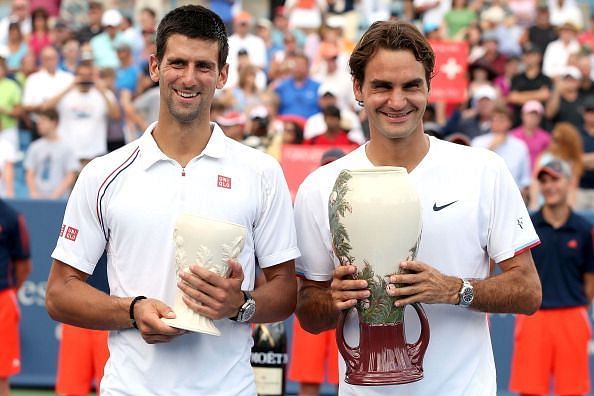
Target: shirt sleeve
{"x": 82, "y": 239}
{"x": 274, "y": 232}
{"x": 311, "y": 220}
{"x": 510, "y": 229}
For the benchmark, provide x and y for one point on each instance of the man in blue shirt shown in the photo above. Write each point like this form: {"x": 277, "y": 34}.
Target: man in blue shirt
{"x": 298, "y": 94}
{"x": 554, "y": 341}
{"x": 15, "y": 266}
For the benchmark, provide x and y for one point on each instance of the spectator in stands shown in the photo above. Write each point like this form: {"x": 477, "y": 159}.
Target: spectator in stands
{"x": 333, "y": 134}
{"x": 536, "y": 139}
{"x": 40, "y": 36}
{"x": 61, "y": 33}
{"x": 459, "y": 17}
{"x": 233, "y": 125}
{"x": 15, "y": 267}
{"x": 492, "y": 56}
{"x": 280, "y": 64}
{"x": 116, "y": 126}
{"x": 332, "y": 71}
{"x": 281, "y": 30}
{"x": 585, "y": 193}
{"x": 19, "y": 13}
{"x": 85, "y": 108}
{"x": 93, "y": 25}
{"x": 551, "y": 346}
{"x": 292, "y": 132}
{"x": 542, "y": 32}
{"x": 298, "y": 94}
{"x": 475, "y": 121}
{"x": 127, "y": 72}
{"x": 42, "y": 85}
{"x": 565, "y": 11}
{"x": 8, "y": 157}
{"x": 70, "y": 55}
{"x": 17, "y": 47}
{"x": 131, "y": 36}
{"x": 513, "y": 151}
{"x": 105, "y": 43}
{"x": 583, "y": 62}
{"x": 50, "y": 163}
{"x": 566, "y": 145}
{"x": 140, "y": 111}
{"x": 557, "y": 53}
{"x": 531, "y": 84}
{"x": 328, "y": 96}
{"x": 246, "y": 94}
{"x": 565, "y": 103}
{"x": 243, "y": 39}
{"x": 10, "y": 107}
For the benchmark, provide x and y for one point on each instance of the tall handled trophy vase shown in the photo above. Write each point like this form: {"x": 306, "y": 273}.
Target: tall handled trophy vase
{"x": 375, "y": 221}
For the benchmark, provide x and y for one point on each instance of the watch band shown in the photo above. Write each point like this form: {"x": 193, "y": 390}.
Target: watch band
{"x": 245, "y": 298}
{"x": 132, "y": 304}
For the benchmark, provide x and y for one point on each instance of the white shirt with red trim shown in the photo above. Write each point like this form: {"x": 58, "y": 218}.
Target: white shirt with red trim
{"x": 486, "y": 218}
{"x": 127, "y": 202}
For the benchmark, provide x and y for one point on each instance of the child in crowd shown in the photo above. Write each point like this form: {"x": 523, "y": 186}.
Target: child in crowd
{"x": 50, "y": 163}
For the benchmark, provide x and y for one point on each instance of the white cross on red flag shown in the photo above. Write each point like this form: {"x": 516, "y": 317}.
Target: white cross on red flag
{"x": 450, "y": 84}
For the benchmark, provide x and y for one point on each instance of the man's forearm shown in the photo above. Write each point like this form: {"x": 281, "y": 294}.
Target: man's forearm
{"x": 315, "y": 309}
{"x": 277, "y": 296}
{"x": 513, "y": 291}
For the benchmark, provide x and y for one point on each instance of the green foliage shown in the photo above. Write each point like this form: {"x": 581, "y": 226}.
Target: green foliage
{"x": 379, "y": 307}
{"x": 337, "y": 208}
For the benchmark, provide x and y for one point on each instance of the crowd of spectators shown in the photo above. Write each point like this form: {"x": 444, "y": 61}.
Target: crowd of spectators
{"x": 530, "y": 88}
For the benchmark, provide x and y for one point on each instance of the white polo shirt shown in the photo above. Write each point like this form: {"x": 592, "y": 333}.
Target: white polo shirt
{"x": 127, "y": 202}
{"x": 486, "y": 219}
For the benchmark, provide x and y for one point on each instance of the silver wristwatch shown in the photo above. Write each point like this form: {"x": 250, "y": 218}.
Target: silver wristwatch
{"x": 466, "y": 294}
{"x": 247, "y": 310}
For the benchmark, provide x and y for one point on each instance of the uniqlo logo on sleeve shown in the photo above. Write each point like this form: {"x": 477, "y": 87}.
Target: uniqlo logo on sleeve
{"x": 71, "y": 233}
{"x": 224, "y": 182}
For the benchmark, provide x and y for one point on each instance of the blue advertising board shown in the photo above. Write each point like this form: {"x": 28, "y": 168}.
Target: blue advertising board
{"x": 39, "y": 333}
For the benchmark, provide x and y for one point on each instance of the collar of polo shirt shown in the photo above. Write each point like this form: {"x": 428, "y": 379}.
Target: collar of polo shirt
{"x": 150, "y": 153}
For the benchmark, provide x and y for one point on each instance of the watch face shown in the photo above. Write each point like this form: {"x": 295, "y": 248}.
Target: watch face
{"x": 248, "y": 311}
{"x": 467, "y": 296}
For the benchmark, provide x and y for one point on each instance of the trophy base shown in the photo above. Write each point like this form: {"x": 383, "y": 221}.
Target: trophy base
{"x": 204, "y": 325}
{"x": 405, "y": 376}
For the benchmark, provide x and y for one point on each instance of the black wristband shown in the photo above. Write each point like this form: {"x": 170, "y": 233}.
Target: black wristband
{"x": 136, "y": 299}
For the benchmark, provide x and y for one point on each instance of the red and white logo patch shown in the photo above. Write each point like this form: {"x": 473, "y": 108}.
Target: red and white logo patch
{"x": 224, "y": 182}
{"x": 71, "y": 233}
{"x": 573, "y": 244}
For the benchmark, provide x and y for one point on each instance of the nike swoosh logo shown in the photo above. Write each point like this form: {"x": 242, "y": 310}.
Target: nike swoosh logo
{"x": 438, "y": 208}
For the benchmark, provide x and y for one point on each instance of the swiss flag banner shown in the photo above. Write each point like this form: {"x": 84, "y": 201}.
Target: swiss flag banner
{"x": 449, "y": 84}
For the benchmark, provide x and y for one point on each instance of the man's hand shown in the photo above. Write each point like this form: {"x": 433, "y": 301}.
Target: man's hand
{"x": 212, "y": 295}
{"x": 423, "y": 284}
{"x": 345, "y": 290}
{"x": 148, "y": 314}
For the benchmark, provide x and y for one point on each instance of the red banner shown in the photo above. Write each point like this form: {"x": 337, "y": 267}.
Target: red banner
{"x": 450, "y": 84}
{"x": 298, "y": 161}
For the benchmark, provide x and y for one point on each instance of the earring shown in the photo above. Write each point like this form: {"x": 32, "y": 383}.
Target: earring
{"x": 360, "y": 103}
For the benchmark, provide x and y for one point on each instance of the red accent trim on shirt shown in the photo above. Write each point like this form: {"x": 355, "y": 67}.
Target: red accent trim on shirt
{"x": 535, "y": 244}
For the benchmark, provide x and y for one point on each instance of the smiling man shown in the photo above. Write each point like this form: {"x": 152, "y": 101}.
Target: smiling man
{"x": 472, "y": 212}
{"x": 127, "y": 203}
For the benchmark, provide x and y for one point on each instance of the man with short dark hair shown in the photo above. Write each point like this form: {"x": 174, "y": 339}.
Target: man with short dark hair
{"x": 127, "y": 202}
{"x": 552, "y": 344}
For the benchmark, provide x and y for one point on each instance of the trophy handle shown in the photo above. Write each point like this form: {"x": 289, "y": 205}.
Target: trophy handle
{"x": 417, "y": 350}
{"x": 349, "y": 354}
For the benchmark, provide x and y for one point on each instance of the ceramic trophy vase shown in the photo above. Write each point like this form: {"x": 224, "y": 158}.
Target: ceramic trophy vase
{"x": 375, "y": 221}
{"x": 210, "y": 244}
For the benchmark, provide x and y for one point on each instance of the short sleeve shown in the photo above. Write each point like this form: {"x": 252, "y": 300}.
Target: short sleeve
{"x": 510, "y": 229}
{"x": 311, "y": 218}
{"x": 274, "y": 232}
{"x": 82, "y": 238}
